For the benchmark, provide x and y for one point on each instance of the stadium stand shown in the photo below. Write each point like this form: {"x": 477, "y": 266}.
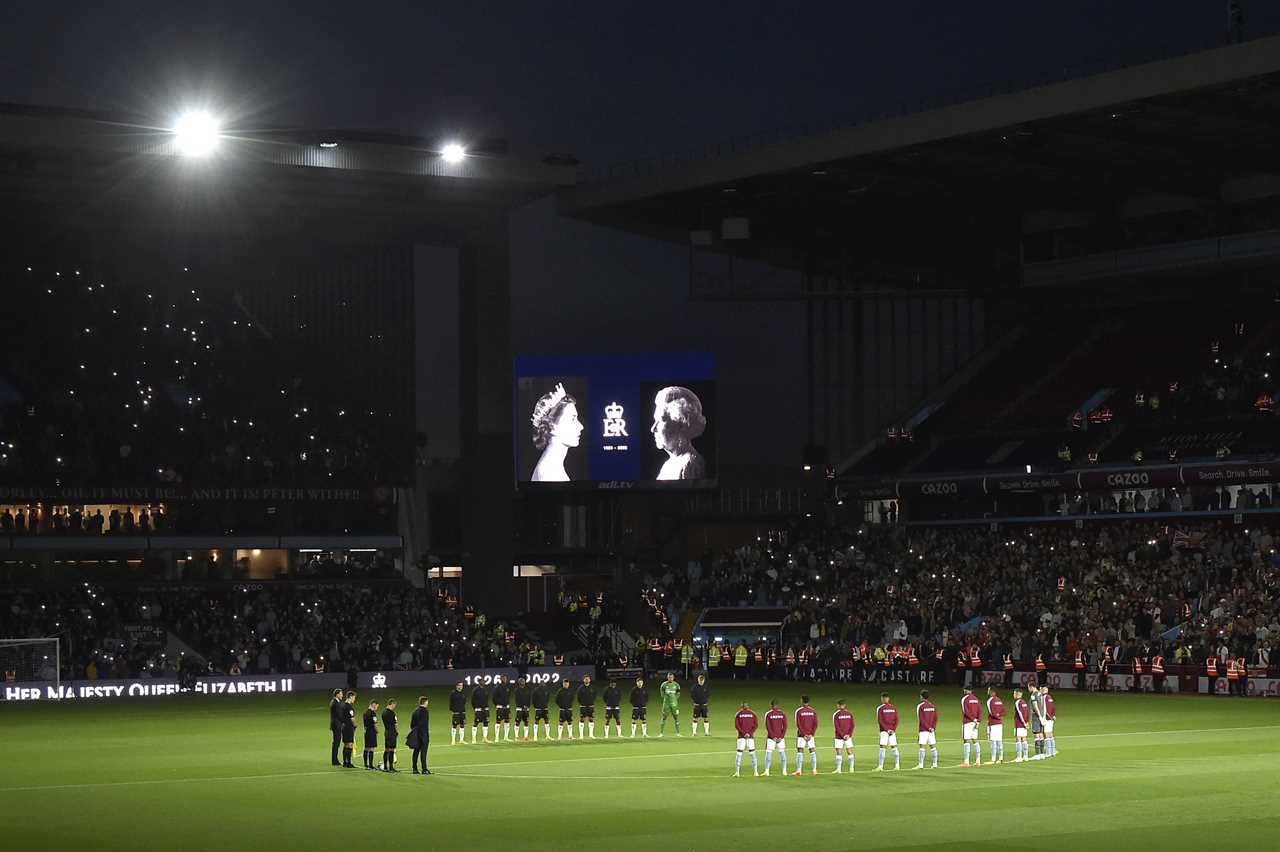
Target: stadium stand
{"x": 123, "y": 629}
{"x": 176, "y": 380}
{"x": 1183, "y": 590}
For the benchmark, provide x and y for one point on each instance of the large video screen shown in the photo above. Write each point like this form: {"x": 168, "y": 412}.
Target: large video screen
{"x": 615, "y": 421}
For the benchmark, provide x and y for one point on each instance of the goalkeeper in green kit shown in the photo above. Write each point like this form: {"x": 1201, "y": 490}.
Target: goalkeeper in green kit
{"x": 670, "y": 702}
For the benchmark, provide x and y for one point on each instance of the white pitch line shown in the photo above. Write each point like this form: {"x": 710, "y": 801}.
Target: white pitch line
{"x": 463, "y": 767}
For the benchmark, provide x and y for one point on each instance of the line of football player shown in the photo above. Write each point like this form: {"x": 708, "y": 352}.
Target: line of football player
{"x": 1034, "y": 715}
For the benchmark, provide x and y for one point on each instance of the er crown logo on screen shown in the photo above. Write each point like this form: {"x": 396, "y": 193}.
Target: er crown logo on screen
{"x": 615, "y": 425}
{"x": 379, "y": 681}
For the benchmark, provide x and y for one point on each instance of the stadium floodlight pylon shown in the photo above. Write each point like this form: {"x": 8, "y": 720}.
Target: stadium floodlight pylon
{"x": 32, "y": 659}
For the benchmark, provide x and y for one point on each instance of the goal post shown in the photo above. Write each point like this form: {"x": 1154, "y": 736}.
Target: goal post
{"x": 34, "y": 659}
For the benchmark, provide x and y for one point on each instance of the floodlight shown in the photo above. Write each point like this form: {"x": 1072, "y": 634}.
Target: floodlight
{"x": 196, "y": 133}
{"x": 453, "y": 153}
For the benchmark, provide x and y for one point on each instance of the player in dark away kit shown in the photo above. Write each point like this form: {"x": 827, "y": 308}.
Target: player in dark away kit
{"x": 458, "y": 710}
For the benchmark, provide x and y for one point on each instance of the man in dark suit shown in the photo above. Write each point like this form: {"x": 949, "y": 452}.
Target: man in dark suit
{"x": 420, "y": 735}
{"x": 335, "y": 725}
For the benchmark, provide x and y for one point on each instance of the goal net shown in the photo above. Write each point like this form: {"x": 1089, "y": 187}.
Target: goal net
{"x": 31, "y": 660}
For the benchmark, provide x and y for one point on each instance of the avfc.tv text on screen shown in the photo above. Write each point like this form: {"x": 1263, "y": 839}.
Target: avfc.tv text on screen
{"x": 615, "y": 421}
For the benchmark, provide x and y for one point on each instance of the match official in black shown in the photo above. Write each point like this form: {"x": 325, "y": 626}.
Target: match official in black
{"x": 335, "y": 725}
{"x": 420, "y": 735}
{"x": 348, "y": 730}
{"x": 390, "y": 733}
{"x": 370, "y": 734}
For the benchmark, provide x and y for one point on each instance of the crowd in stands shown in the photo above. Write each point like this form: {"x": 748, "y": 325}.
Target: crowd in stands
{"x": 366, "y": 513}
{"x": 73, "y": 520}
{"x": 1044, "y": 589}
{"x": 1190, "y": 499}
{"x": 1197, "y": 388}
{"x": 173, "y": 383}
{"x": 262, "y": 628}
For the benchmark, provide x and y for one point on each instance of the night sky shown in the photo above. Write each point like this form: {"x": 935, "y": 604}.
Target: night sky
{"x": 608, "y": 82}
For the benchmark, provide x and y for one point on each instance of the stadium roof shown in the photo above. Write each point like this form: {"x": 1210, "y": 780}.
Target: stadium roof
{"x": 48, "y": 152}
{"x": 947, "y": 185}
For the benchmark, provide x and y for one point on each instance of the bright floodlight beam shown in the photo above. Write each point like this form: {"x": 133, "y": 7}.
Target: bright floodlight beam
{"x": 453, "y": 153}
{"x": 196, "y": 133}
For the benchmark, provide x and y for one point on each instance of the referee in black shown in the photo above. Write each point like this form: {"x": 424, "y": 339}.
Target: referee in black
{"x": 420, "y": 735}
{"x": 348, "y": 730}
{"x": 370, "y": 734}
{"x": 335, "y": 725}
{"x": 390, "y": 733}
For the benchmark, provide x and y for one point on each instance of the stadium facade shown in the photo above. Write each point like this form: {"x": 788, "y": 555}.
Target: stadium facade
{"x": 362, "y": 267}
{"x": 971, "y": 268}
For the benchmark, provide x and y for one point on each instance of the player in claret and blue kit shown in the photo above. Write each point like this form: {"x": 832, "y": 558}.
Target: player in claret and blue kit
{"x": 927, "y": 716}
{"x": 842, "y": 721}
{"x": 745, "y": 723}
{"x": 775, "y": 731}
{"x": 970, "y": 715}
{"x": 806, "y": 727}
{"x": 1021, "y": 721}
{"x": 1050, "y": 718}
{"x": 995, "y": 725}
{"x": 887, "y": 718}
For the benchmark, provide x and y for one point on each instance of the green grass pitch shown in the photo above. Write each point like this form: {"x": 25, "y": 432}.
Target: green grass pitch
{"x": 249, "y": 773}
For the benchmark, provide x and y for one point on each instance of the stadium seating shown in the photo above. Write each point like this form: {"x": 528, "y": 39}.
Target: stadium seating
{"x": 108, "y": 380}
{"x": 121, "y": 630}
{"x": 1053, "y": 588}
